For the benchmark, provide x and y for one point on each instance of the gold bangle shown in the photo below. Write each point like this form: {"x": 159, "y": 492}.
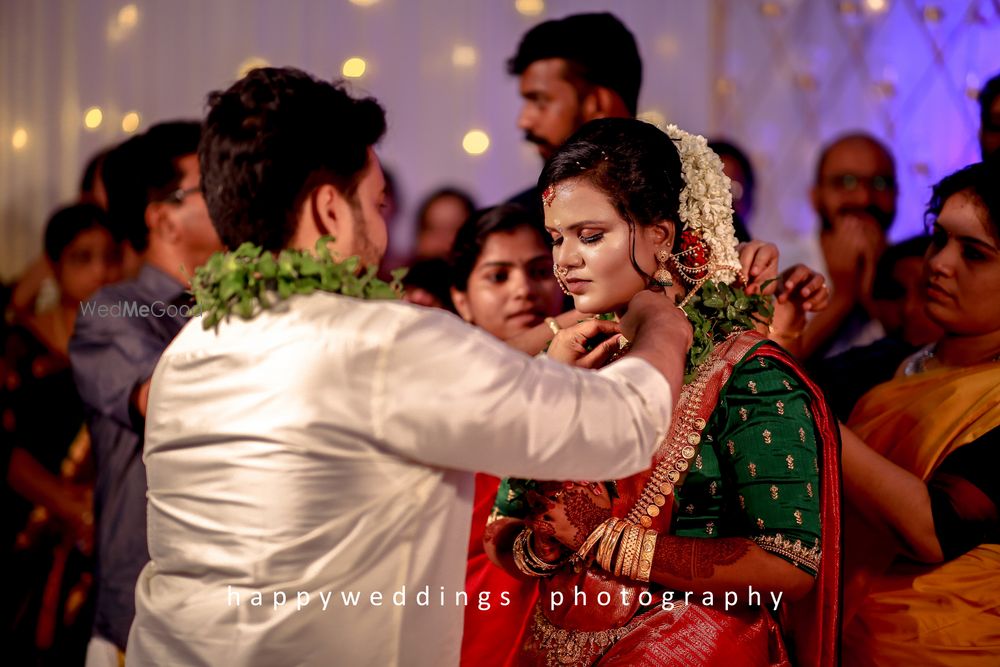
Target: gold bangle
{"x": 522, "y": 560}
{"x": 533, "y": 559}
{"x": 613, "y": 539}
{"x": 633, "y": 564}
{"x": 646, "y": 555}
{"x": 606, "y": 543}
{"x": 553, "y": 325}
{"x": 631, "y": 561}
{"x": 593, "y": 539}
{"x": 625, "y": 551}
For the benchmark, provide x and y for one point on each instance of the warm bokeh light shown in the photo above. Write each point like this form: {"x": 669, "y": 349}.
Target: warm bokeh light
{"x": 476, "y": 142}
{"x": 653, "y": 117}
{"x": 128, "y": 16}
{"x": 877, "y": 6}
{"x": 463, "y": 55}
{"x": 530, "y": 7}
{"x": 354, "y": 68}
{"x": 92, "y": 118}
{"x": 130, "y": 121}
{"x": 933, "y": 13}
{"x": 19, "y": 139}
{"x": 363, "y": 3}
{"x": 253, "y": 62}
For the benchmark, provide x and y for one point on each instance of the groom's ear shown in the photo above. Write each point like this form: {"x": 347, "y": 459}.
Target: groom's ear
{"x": 325, "y": 206}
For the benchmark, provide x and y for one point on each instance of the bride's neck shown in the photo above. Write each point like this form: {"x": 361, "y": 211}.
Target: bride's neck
{"x": 955, "y": 350}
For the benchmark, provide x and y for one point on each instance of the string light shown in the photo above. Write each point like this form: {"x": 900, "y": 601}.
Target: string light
{"x": 128, "y": 16}
{"x": 771, "y": 9}
{"x": 529, "y": 7}
{"x": 475, "y": 142}
{"x": 130, "y": 121}
{"x": 19, "y": 139}
{"x": 251, "y": 63}
{"x": 463, "y": 56}
{"x": 933, "y": 14}
{"x": 354, "y": 68}
{"x": 92, "y": 118}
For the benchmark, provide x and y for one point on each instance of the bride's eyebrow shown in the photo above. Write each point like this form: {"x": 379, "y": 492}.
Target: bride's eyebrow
{"x": 574, "y": 226}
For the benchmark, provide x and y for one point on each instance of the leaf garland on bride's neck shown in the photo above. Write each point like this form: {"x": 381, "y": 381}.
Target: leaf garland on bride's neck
{"x": 248, "y": 280}
{"x": 716, "y": 311}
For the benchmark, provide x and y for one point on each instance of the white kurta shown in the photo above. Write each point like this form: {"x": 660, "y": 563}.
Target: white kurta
{"x": 327, "y": 449}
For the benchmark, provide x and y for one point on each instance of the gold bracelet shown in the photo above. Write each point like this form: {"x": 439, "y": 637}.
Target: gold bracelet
{"x": 625, "y": 550}
{"x": 613, "y": 539}
{"x": 632, "y": 560}
{"x": 533, "y": 559}
{"x": 593, "y": 539}
{"x": 521, "y": 558}
{"x": 606, "y": 543}
{"x": 551, "y": 321}
{"x": 646, "y": 555}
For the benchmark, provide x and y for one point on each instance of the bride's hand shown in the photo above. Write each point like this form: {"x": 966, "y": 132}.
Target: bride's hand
{"x": 570, "y": 345}
{"x": 571, "y": 513}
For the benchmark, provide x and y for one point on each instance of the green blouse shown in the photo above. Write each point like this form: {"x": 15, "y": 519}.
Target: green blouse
{"x": 756, "y": 474}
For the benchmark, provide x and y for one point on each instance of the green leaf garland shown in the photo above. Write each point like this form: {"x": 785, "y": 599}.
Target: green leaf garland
{"x": 249, "y": 280}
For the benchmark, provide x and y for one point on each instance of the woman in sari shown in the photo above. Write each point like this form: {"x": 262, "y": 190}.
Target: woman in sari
{"x": 743, "y": 492}
{"x": 502, "y": 281}
{"x": 920, "y": 461}
{"x": 48, "y": 508}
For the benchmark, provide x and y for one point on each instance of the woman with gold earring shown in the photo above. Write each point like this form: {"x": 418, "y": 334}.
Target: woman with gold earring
{"x": 744, "y": 490}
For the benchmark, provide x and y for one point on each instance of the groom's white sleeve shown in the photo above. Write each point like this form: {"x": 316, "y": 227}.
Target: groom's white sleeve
{"x": 451, "y": 395}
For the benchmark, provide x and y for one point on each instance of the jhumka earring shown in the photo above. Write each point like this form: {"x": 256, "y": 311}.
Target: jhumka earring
{"x": 663, "y": 277}
{"x": 560, "y": 273}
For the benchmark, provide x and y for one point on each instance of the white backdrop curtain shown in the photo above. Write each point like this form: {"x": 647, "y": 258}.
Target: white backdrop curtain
{"x": 778, "y": 77}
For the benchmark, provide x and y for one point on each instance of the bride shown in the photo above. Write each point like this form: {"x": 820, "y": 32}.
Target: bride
{"x": 744, "y": 490}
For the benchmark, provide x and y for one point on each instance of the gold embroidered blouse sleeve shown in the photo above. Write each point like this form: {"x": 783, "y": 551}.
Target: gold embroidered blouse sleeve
{"x": 768, "y": 444}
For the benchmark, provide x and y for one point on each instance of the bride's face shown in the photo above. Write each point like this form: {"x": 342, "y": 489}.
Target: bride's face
{"x": 593, "y": 244}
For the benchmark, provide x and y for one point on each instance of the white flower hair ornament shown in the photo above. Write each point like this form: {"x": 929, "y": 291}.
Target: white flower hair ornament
{"x": 708, "y": 238}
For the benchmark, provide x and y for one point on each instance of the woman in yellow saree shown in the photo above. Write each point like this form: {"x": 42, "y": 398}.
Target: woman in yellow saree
{"x": 922, "y": 570}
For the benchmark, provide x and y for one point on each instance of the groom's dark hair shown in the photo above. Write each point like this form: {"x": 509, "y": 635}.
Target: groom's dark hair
{"x": 271, "y": 139}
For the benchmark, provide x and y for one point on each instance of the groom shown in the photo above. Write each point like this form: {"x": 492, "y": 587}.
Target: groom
{"x": 310, "y": 469}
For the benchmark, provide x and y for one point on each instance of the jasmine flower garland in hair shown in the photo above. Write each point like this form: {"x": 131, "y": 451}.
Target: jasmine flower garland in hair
{"x": 249, "y": 280}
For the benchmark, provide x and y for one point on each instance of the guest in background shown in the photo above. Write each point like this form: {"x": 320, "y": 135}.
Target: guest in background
{"x": 920, "y": 459}
{"x": 502, "y": 282}
{"x": 48, "y": 519}
{"x": 737, "y": 167}
{"x": 989, "y": 115}
{"x": 426, "y": 284}
{"x": 438, "y": 219}
{"x": 35, "y": 291}
{"x": 900, "y": 305}
{"x": 158, "y": 201}
{"x": 854, "y": 195}
{"x": 570, "y": 71}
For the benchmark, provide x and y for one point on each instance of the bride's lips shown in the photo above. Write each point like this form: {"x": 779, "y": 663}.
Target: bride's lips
{"x": 576, "y": 286}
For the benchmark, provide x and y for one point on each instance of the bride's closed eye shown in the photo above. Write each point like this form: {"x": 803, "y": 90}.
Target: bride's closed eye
{"x": 591, "y": 238}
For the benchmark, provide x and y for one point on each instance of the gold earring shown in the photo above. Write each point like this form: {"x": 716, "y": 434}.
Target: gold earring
{"x": 559, "y": 273}
{"x": 663, "y": 277}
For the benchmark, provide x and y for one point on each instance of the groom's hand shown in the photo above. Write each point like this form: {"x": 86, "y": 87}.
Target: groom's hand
{"x": 660, "y": 333}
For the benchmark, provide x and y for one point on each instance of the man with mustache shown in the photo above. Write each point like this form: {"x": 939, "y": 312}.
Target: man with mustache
{"x": 573, "y": 70}
{"x": 854, "y": 195}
